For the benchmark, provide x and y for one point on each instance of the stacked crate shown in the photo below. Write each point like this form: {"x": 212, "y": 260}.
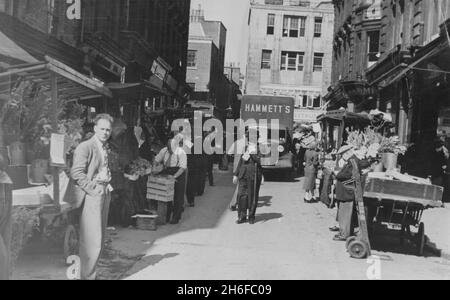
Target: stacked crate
{"x": 162, "y": 190}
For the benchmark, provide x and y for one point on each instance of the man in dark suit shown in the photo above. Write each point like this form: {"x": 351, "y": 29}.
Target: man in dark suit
{"x": 249, "y": 176}
{"x": 345, "y": 192}
{"x": 91, "y": 190}
{"x": 5, "y": 220}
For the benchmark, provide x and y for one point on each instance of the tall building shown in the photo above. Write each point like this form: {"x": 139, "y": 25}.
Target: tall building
{"x": 290, "y": 52}
{"x": 206, "y": 60}
{"x": 356, "y": 47}
{"x": 143, "y": 42}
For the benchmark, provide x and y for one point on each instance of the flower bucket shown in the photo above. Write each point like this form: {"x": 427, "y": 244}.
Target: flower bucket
{"x": 17, "y": 154}
{"x": 390, "y": 161}
{"x": 39, "y": 168}
{"x": 378, "y": 167}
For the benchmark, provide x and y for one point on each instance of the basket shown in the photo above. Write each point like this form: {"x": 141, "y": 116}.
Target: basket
{"x": 146, "y": 222}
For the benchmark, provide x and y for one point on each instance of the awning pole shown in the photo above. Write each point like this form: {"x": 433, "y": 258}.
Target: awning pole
{"x": 54, "y": 106}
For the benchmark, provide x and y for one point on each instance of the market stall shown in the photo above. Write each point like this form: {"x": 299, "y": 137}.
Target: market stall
{"x": 55, "y": 84}
{"x": 395, "y": 200}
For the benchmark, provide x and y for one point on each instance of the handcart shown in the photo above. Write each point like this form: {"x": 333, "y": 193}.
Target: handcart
{"x": 395, "y": 203}
{"x": 58, "y": 221}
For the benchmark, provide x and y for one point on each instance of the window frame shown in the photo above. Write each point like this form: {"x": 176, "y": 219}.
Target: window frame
{"x": 265, "y": 62}
{"x": 318, "y": 27}
{"x": 316, "y": 67}
{"x": 270, "y": 27}
{"x": 194, "y": 65}
{"x": 288, "y": 29}
{"x": 287, "y": 57}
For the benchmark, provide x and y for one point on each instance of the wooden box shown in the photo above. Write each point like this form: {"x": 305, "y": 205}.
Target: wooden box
{"x": 160, "y": 188}
{"x": 146, "y": 222}
{"x": 428, "y": 195}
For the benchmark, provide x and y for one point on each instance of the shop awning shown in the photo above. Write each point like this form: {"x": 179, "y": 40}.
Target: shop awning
{"x": 72, "y": 85}
{"x": 420, "y": 59}
{"x": 340, "y": 115}
{"x": 10, "y": 49}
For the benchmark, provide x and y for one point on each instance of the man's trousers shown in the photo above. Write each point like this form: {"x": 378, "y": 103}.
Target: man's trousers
{"x": 5, "y": 231}
{"x": 345, "y": 217}
{"x": 93, "y": 222}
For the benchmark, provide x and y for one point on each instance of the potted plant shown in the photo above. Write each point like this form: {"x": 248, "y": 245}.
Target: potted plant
{"x": 390, "y": 148}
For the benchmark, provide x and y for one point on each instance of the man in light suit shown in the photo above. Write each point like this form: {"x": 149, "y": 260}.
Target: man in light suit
{"x": 90, "y": 189}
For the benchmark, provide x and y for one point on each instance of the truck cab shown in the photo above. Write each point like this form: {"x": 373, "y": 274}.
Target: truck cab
{"x": 273, "y": 138}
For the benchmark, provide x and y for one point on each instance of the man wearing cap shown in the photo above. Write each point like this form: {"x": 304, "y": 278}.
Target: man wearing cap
{"x": 345, "y": 190}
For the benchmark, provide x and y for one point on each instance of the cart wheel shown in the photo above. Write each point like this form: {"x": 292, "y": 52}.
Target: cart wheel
{"x": 421, "y": 239}
{"x": 70, "y": 241}
{"x": 349, "y": 240}
{"x": 358, "y": 249}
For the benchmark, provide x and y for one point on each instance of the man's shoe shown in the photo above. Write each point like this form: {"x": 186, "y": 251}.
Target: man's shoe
{"x": 241, "y": 221}
{"x": 251, "y": 221}
{"x": 174, "y": 222}
{"x": 334, "y": 229}
{"x": 339, "y": 238}
{"x": 233, "y": 208}
{"x": 191, "y": 205}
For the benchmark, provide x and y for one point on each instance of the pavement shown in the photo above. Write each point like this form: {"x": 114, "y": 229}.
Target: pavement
{"x": 437, "y": 230}
{"x": 290, "y": 240}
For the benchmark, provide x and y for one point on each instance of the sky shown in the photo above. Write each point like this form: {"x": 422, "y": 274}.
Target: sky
{"x": 234, "y": 15}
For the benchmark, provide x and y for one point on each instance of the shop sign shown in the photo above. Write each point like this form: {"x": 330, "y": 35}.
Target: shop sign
{"x": 158, "y": 70}
{"x": 307, "y": 116}
{"x": 73, "y": 10}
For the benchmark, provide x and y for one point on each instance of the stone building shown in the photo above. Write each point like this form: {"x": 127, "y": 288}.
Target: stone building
{"x": 290, "y": 51}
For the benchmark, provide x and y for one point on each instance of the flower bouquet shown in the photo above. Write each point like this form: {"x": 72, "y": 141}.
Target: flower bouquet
{"x": 392, "y": 145}
{"x": 137, "y": 168}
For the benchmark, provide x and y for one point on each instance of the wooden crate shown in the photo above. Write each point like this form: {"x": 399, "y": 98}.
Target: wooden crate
{"x": 146, "y": 222}
{"x": 160, "y": 188}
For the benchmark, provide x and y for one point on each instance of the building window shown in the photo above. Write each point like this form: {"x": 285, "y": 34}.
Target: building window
{"x": 317, "y": 27}
{"x": 266, "y": 59}
{"x": 317, "y": 102}
{"x": 373, "y": 41}
{"x": 305, "y": 101}
{"x": 292, "y": 61}
{"x": 270, "y": 24}
{"x": 191, "y": 58}
{"x": 318, "y": 62}
{"x": 294, "y": 26}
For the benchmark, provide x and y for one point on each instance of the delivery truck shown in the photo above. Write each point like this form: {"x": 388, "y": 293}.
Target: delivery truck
{"x": 277, "y": 138}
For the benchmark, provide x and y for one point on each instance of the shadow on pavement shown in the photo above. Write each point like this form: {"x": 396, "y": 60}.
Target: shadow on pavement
{"x": 388, "y": 240}
{"x": 148, "y": 261}
{"x": 262, "y": 218}
{"x": 265, "y": 201}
